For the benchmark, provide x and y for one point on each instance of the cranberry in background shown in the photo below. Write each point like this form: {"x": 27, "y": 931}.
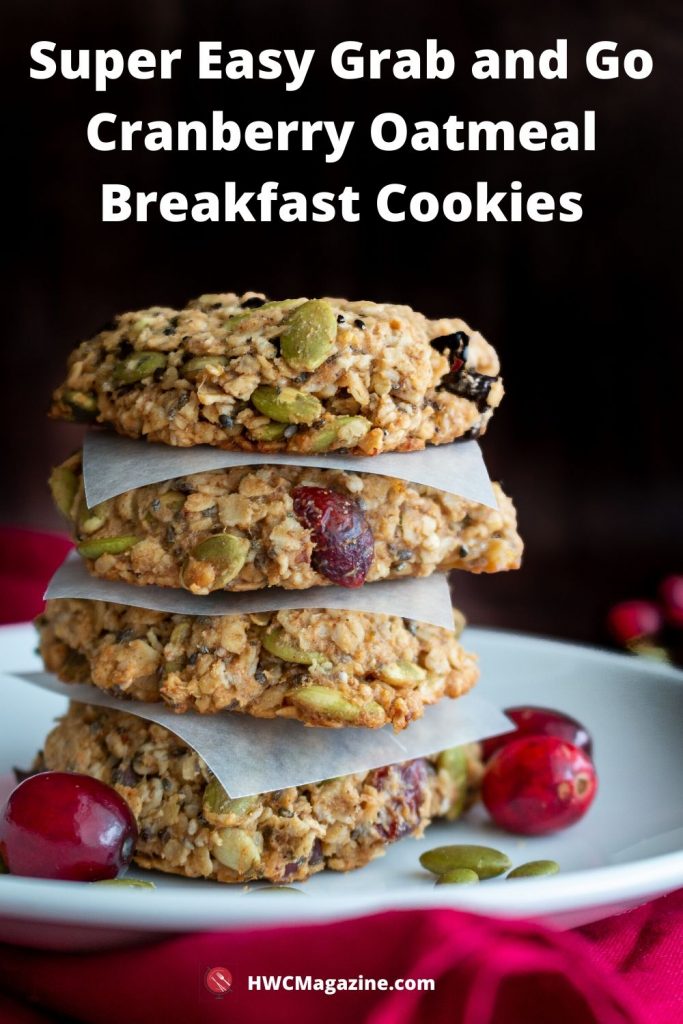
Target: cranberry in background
{"x": 631, "y": 620}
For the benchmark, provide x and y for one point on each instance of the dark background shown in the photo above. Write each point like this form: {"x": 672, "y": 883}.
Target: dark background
{"x": 586, "y": 316}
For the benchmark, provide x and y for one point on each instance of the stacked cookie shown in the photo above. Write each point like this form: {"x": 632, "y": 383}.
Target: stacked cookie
{"x": 299, "y": 378}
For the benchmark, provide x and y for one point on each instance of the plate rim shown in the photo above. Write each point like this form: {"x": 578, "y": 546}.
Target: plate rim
{"x": 41, "y": 900}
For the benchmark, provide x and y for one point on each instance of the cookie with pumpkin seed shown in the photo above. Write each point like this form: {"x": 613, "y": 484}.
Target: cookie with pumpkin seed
{"x": 189, "y": 826}
{"x": 320, "y": 666}
{"x": 251, "y": 527}
{"x": 294, "y": 375}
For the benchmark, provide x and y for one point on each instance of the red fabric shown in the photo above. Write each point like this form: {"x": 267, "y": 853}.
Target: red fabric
{"x": 27, "y": 561}
{"x": 624, "y": 970}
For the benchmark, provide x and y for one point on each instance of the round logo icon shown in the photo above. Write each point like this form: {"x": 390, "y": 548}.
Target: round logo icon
{"x": 218, "y": 980}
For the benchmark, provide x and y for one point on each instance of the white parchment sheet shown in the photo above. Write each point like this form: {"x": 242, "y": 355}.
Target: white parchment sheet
{"x": 251, "y": 755}
{"x": 114, "y": 464}
{"x": 426, "y": 598}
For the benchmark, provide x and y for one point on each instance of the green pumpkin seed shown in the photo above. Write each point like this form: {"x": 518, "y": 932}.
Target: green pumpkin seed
{"x": 92, "y": 524}
{"x": 454, "y": 761}
{"x": 342, "y": 431}
{"x": 170, "y": 502}
{"x": 309, "y": 335}
{"x": 226, "y": 552}
{"x": 484, "y": 860}
{"x": 535, "y": 869}
{"x": 90, "y": 520}
{"x": 402, "y": 673}
{"x": 82, "y": 405}
{"x": 268, "y": 432}
{"x": 63, "y": 485}
{"x": 174, "y": 665}
{"x": 458, "y": 876}
{"x": 106, "y": 546}
{"x": 217, "y": 801}
{"x": 236, "y": 320}
{"x": 238, "y": 849}
{"x": 278, "y": 643}
{"x": 140, "y": 325}
{"x": 278, "y": 888}
{"x": 325, "y": 702}
{"x": 126, "y": 883}
{"x": 287, "y": 405}
{"x": 193, "y": 368}
{"x": 180, "y": 633}
{"x": 137, "y": 366}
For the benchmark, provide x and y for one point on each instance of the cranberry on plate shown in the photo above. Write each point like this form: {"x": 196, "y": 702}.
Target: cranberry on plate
{"x": 66, "y": 826}
{"x": 535, "y": 721}
{"x": 343, "y": 545}
{"x": 538, "y": 784}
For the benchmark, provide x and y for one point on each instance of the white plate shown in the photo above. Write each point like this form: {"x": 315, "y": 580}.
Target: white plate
{"x": 628, "y": 849}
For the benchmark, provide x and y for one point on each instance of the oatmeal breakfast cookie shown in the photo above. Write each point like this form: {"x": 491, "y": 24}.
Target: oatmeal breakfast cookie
{"x": 189, "y": 826}
{"x": 323, "y": 667}
{"x": 248, "y": 528}
{"x": 296, "y": 375}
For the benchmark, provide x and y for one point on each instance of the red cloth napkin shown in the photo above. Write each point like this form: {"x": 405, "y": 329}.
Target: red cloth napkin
{"x": 27, "y": 561}
{"x": 624, "y": 970}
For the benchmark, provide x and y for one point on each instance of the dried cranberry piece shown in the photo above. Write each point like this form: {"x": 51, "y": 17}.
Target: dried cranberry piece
{"x": 470, "y": 384}
{"x": 400, "y": 814}
{"x": 315, "y": 857}
{"x": 457, "y": 344}
{"x": 342, "y": 539}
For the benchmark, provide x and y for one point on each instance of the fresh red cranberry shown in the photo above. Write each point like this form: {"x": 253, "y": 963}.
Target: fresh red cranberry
{"x": 538, "y": 784}
{"x": 533, "y": 721}
{"x": 630, "y": 620}
{"x": 400, "y": 814}
{"x": 671, "y": 596}
{"x": 67, "y": 826}
{"x": 343, "y": 545}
